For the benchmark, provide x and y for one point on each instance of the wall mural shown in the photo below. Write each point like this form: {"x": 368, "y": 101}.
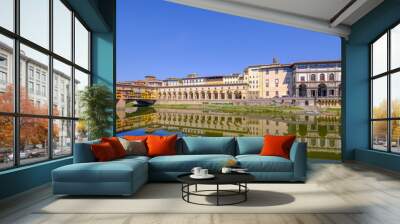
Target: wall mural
{"x": 299, "y": 98}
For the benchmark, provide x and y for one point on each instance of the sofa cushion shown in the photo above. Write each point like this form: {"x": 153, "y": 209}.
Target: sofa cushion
{"x": 249, "y": 145}
{"x": 257, "y": 163}
{"x": 161, "y": 145}
{"x": 112, "y": 171}
{"x": 134, "y": 147}
{"x": 275, "y": 145}
{"x": 116, "y": 145}
{"x": 103, "y": 152}
{"x": 208, "y": 145}
{"x": 185, "y": 163}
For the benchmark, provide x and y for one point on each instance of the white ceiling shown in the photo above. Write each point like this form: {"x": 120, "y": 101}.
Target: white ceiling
{"x": 321, "y": 9}
{"x": 316, "y": 15}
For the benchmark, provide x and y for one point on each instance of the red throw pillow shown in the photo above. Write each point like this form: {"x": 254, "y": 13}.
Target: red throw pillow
{"x": 116, "y": 145}
{"x": 135, "y": 138}
{"x": 277, "y": 145}
{"x": 103, "y": 152}
{"x": 161, "y": 145}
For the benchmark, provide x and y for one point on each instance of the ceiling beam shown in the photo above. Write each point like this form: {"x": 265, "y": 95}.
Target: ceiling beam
{"x": 268, "y": 15}
{"x": 346, "y": 12}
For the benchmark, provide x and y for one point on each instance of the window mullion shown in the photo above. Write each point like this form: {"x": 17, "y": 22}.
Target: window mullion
{"x": 16, "y": 85}
{"x": 371, "y": 89}
{"x": 389, "y": 104}
{"x": 73, "y": 82}
{"x": 50, "y": 80}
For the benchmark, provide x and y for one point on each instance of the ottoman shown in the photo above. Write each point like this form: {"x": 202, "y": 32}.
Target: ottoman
{"x": 119, "y": 177}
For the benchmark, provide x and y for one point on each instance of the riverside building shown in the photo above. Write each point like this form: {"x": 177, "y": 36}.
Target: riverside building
{"x": 299, "y": 83}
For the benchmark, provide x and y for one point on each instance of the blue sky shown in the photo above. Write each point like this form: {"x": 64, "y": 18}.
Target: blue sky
{"x": 166, "y": 39}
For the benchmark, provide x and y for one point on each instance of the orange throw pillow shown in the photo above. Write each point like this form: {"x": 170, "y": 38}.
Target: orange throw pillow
{"x": 103, "y": 152}
{"x": 277, "y": 145}
{"x": 135, "y": 138}
{"x": 116, "y": 145}
{"x": 161, "y": 145}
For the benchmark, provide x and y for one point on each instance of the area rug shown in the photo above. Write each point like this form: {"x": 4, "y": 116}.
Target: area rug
{"x": 166, "y": 198}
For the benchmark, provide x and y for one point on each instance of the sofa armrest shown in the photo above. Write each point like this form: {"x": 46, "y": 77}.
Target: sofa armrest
{"x": 298, "y": 155}
{"x": 83, "y": 152}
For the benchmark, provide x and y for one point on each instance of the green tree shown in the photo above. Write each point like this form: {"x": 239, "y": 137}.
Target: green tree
{"x": 97, "y": 103}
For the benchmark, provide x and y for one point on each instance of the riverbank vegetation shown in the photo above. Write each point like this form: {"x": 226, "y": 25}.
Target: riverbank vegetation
{"x": 236, "y": 109}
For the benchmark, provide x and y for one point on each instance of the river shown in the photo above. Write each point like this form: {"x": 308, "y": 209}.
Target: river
{"x": 320, "y": 131}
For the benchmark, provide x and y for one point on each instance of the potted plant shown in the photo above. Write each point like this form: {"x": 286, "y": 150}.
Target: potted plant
{"x": 96, "y": 103}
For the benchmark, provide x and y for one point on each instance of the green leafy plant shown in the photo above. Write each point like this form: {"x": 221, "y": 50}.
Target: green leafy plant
{"x": 96, "y": 103}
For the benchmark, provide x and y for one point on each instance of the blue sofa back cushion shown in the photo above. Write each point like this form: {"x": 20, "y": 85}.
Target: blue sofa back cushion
{"x": 83, "y": 152}
{"x": 249, "y": 145}
{"x": 208, "y": 145}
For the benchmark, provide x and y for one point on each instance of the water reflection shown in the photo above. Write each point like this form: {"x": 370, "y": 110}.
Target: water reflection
{"x": 322, "y": 132}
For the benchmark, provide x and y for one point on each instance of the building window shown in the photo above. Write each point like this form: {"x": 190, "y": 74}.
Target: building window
{"x": 38, "y": 74}
{"x": 385, "y": 97}
{"x": 3, "y": 78}
{"x": 322, "y": 77}
{"x": 3, "y": 61}
{"x": 43, "y": 90}
{"x": 313, "y": 77}
{"x": 302, "y": 78}
{"x": 56, "y": 127}
{"x": 38, "y": 89}
{"x": 276, "y": 93}
{"x": 331, "y": 77}
{"x": 276, "y": 82}
{"x": 267, "y": 93}
{"x": 30, "y": 72}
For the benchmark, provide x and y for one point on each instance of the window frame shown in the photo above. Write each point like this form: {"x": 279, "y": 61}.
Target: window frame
{"x": 388, "y": 74}
{"x": 16, "y": 115}
{"x": 313, "y": 77}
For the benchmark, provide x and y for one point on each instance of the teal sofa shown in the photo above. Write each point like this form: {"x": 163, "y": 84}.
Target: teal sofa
{"x": 125, "y": 176}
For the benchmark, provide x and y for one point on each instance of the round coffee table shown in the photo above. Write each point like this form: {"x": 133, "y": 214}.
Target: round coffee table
{"x": 238, "y": 179}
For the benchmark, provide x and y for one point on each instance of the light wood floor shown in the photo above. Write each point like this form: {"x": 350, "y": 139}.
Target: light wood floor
{"x": 379, "y": 189}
